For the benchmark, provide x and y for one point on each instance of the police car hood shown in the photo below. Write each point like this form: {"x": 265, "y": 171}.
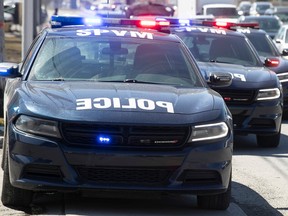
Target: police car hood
{"x": 94, "y": 101}
{"x": 242, "y": 76}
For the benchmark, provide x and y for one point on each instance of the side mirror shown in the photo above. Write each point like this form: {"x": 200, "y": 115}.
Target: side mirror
{"x": 277, "y": 41}
{"x": 9, "y": 70}
{"x": 219, "y": 79}
{"x": 271, "y": 62}
{"x": 285, "y": 52}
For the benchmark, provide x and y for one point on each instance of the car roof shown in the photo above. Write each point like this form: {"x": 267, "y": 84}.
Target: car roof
{"x": 245, "y": 3}
{"x": 260, "y": 17}
{"x": 262, "y": 3}
{"x": 280, "y": 8}
{"x": 219, "y": 5}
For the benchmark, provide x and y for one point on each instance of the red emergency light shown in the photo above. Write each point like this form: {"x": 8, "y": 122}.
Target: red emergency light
{"x": 153, "y": 23}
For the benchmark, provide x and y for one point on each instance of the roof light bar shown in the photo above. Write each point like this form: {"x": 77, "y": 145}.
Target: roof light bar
{"x": 60, "y": 21}
{"x": 153, "y": 23}
{"x": 230, "y": 25}
{"x": 209, "y": 21}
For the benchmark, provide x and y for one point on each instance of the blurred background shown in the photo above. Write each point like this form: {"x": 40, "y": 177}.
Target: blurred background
{"x": 12, "y": 29}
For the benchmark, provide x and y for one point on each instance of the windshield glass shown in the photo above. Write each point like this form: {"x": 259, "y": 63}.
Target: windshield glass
{"x": 223, "y": 12}
{"x": 110, "y": 60}
{"x": 218, "y": 48}
{"x": 269, "y": 24}
{"x": 262, "y": 44}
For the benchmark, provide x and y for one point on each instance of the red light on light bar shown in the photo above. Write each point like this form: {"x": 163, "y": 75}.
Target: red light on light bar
{"x": 248, "y": 25}
{"x": 221, "y": 24}
{"x": 230, "y": 25}
{"x": 164, "y": 23}
{"x": 153, "y": 23}
{"x": 147, "y": 23}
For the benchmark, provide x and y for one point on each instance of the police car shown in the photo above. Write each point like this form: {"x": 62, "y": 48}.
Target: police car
{"x": 255, "y": 96}
{"x": 270, "y": 54}
{"x": 106, "y": 107}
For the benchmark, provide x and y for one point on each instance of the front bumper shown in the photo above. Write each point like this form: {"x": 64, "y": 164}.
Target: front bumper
{"x": 262, "y": 117}
{"x": 40, "y": 164}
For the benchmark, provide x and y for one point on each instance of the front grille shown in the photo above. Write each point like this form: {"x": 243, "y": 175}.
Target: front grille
{"x": 90, "y": 135}
{"x": 131, "y": 176}
{"x": 232, "y": 96}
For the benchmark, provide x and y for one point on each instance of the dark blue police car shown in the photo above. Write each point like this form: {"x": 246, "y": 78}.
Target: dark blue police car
{"x": 255, "y": 96}
{"x": 103, "y": 107}
{"x": 271, "y": 56}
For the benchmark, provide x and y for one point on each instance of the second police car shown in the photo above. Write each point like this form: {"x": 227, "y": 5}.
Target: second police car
{"x": 255, "y": 96}
{"x": 107, "y": 107}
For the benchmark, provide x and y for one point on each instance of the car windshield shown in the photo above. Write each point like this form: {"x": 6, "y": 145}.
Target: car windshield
{"x": 223, "y": 12}
{"x": 109, "y": 60}
{"x": 263, "y": 45}
{"x": 269, "y": 25}
{"x": 219, "y": 48}
{"x": 262, "y": 7}
{"x": 283, "y": 16}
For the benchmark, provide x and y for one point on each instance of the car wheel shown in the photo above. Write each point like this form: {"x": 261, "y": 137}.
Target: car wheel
{"x": 12, "y": 196}
{"x": 217, "y": 201}
{"x": 271, "y": 141}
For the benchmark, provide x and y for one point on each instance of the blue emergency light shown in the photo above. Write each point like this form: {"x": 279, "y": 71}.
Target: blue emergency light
{"x": 61, "y": 21}
{"x": 104, "y": 139}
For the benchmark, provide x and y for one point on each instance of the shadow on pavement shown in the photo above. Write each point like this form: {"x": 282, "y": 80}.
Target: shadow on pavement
{"x": 248, "y": 200}
{"x": 251, "y": 202}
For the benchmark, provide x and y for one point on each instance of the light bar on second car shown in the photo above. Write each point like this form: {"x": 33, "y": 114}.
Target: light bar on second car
{"x": 209, "y": 21}
{"x": 230, "y": 25}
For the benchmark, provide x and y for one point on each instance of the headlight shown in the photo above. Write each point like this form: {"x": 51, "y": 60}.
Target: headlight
{"x": 37, "y": 126}
{"x": 209, "y": 132}
{"x": 268, "y": 94}
{"x": 283, "y": 77}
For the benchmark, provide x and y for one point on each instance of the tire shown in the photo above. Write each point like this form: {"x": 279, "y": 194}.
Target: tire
{"x": 12, "y": 196}
{"x": 217, "y": 201}
{"x": 271, "y": 141}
